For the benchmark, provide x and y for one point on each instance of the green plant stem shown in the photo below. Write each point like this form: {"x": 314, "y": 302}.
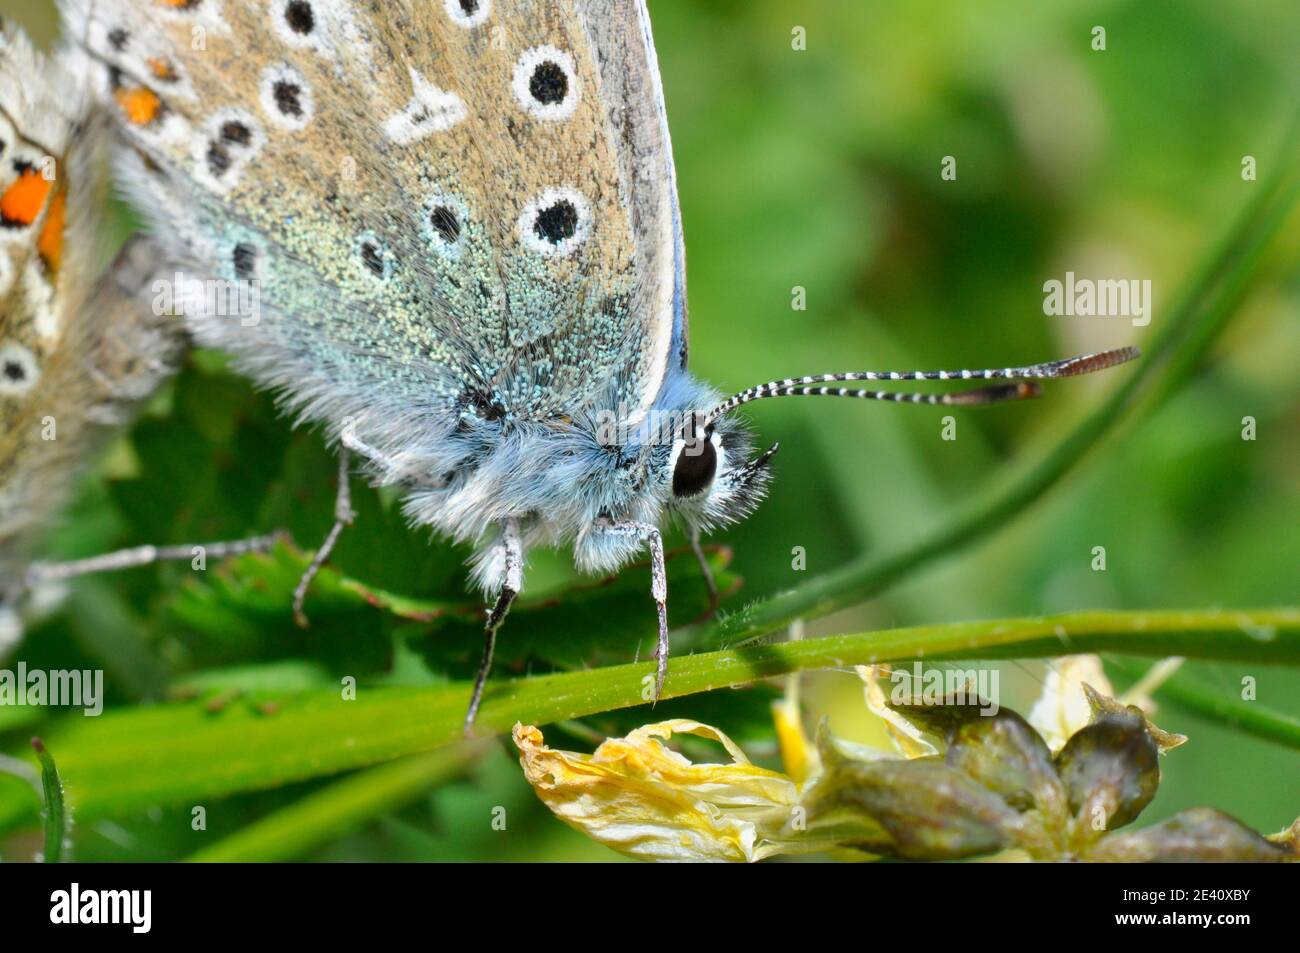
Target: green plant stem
{"x": 340, "y": 807}
{"x": 182, "y": 753}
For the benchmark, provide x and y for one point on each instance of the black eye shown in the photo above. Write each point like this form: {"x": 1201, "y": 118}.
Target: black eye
{"x": 696, "y": 465}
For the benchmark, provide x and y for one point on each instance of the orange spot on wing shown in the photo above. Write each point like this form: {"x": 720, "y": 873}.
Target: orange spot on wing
{"x": 140, "y": 104}
{"x": 162, "y": 70}
{"x": 50, "y": 242}
{"x": 23, "y": 200}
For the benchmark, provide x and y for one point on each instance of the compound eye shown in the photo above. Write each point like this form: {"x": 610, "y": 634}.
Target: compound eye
{"x": 696, "y": 465}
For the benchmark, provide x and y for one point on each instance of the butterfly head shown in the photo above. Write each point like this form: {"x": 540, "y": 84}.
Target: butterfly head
{"x": 713, "y": 473}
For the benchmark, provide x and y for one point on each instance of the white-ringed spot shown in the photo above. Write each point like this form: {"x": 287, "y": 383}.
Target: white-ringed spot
{"x": 373, "y": 257}
{"x": 18, "y": 369}
{"x": 443, "y": 223}
{"x": 286, "y": 98}
{"x": 230, "y": 139}
{"x": 546, "y": 83}
{"x": 555, "y": 223}
{"x": 468, "y": 13}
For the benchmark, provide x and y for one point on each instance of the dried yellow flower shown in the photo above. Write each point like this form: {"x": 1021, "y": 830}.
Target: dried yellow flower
{"x": 642, "y": 798}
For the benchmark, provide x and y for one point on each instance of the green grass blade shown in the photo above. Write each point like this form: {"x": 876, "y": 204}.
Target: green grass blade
{"x": 1186, "y": 691}
{"x": 56, "y": 817}
{"x": 333, "y": 811}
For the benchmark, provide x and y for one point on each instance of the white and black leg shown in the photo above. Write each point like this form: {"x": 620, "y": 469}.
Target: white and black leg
{"x": 647, "y": 535}
{"x": 343, "y": 516}
{"x": 349, "y": 445}
{"x": 508, "y": 563}
{"x": 705, "y": 569}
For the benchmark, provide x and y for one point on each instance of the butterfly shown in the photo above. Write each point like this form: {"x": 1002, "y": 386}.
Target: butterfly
{"x": 461, "y": 217}
{"x": 78, "y": 348}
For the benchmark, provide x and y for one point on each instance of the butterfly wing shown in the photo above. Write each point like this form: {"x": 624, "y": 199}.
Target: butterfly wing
{"x": 75, "y": 351}
{"x": 452, "y": 208}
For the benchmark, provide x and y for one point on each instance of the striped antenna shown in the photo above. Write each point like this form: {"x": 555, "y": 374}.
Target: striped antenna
{"x": 1024, "y": 386}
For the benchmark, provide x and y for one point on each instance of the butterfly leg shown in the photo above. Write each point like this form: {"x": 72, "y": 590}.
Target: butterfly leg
{"x": 647, "y": 535}
{"x": 511, "y": 570}
{"x": 44, "y": 572}
{"x": 705, "y": 570}
{"x": 343, "y": 516}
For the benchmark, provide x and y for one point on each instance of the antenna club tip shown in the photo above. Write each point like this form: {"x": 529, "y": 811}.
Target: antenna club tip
{"x": 38, "y": 745}
{"x": 1100, "y": 361}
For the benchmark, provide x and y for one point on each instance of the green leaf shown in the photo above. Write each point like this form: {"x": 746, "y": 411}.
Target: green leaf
{"x": 241, "y": 610}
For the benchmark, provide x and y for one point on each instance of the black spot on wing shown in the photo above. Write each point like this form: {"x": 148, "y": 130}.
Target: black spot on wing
{"x": 372, "y": 257}
{"x": 446, "y": 223}
{"x": 557, "y": 222}
{"x": 244, "y": 260}
{"x": 300, "y": 17}
{"x": 236, "y": 133}
{"x": 288, "y": 98}
{"x": 548, "y": 84}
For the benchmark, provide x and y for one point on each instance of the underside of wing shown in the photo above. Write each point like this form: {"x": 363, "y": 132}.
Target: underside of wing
{"x": 76, "y": 351}
{"x": 452, "y": 209}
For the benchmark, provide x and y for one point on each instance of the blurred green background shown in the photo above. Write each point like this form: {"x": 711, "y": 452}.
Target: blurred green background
{"x": 819, "y": 169}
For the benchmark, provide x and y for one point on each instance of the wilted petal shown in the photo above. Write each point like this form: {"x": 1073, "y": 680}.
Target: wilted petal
{"x": 912, "y": 741}
{"x": 797, "y": 754}
{"x": 1201, "y": 834}
{"x": 640, "y": 797}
